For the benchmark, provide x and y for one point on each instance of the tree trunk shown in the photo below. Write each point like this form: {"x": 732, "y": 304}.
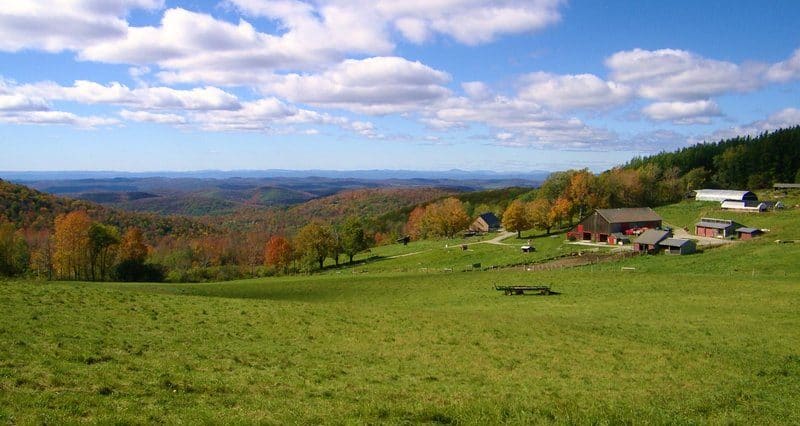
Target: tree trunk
{"x": 519, "y": 233}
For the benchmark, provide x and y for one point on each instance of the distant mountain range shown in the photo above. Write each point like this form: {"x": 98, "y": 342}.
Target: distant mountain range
{"x": 189, "y": 194}
{"x": 454, "y": 174}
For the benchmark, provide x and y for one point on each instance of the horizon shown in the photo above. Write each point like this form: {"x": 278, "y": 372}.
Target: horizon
{"x": 148, "y": 86}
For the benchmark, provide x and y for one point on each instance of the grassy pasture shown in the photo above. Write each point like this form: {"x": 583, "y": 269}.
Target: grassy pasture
{"x": 706, "y": 338}
{"x": 668, "y": 343}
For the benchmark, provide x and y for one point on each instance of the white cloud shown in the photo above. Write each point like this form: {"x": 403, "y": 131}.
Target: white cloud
{"x": 56, "y": 118}
{"x": 89, "y": 92}
{"x": 787, "y": 117}
{"x": 19, "y": 102}
{"x": 152, "y": 117}
{"x": 467, "y": 21}
{"x": 57, "y": 25}
{"x": 518, "y": 123}
{"x": 678, "y": 75}
{"x": 476, "y": 90}
{"x": 378, "y": 85}
{"x": 787, "y": 70}
{"x": 683, "y": 112}
{"x": 565, "y": 92}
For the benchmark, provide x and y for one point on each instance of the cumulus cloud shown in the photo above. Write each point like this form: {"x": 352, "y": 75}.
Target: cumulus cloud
{"x": 683, "y": 112}
{"x": 56, "y": 117}
{"x": 378, "y": 85}
{"x": 518, "y": 123}
{"x": 152, "y": 117}
{"x": 787, "y": 117}
{"x": 678, "y": 75}
{"x": 566, "y": 92}
{"x": 467, "y": 21}
{"x": 89, "y": 92}
{"x": 57, "y": 25}
{"x": 787, "y": 70}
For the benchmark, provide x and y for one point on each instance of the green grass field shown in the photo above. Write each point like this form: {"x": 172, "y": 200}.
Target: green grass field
{"x": 706, "y": 338}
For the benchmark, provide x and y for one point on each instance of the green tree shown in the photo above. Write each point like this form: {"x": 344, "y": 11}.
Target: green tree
{"x": 14, "y": 254}
{"x": 103, "y": 240}
{"x": 353, "y": 238}
{"x": 314, "y": 242}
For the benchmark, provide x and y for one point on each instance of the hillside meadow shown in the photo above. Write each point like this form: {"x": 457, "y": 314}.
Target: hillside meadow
{"x": 678, "y": 340}
{"x": 706, "y": 338}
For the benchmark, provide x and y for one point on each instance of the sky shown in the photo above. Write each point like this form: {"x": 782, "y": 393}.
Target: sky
{"x": 505, "y": 85}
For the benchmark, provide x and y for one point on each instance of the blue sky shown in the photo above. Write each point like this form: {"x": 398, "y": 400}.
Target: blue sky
{"x": 512, "y": 85}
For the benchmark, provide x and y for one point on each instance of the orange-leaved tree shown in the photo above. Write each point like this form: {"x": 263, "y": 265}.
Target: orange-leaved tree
{"x": 278, "y": 253}
{"x": 71, "y": 258}
{"x": 515, "y": 218}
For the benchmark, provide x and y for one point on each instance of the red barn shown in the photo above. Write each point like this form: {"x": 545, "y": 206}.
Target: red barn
{"x": 601, "y": 224}
{"x": 716, "y": 228}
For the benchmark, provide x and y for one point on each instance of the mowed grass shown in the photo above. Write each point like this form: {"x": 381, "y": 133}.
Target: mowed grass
{"x": 678, "y": 340}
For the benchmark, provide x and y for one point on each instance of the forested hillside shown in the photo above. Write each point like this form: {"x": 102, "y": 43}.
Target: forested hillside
{"x": 741, "y": 162}
{"x": 30, "y": 209}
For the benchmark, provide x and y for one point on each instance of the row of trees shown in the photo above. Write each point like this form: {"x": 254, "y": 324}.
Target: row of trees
{"x": 316, "y": 242}
{"x": 441, "y": 219}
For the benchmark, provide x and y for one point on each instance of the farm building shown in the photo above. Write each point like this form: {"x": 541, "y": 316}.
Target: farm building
{"x": 721, "y": 195}
{"x": 603, "y": 223}
{"x": 744, "y": 206}
{"x": 718, "y": 228}
{"x": 649, "y": 241}
{"x": 619, "y": 238}
{"x": 678, "y": 246}
{"x": 745, "y": 233}
{"x": 486, "y": 222}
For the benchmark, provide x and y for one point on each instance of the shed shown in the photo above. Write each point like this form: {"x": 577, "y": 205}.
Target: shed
{"x": 678, "y": 246}
{"x": 717, "y": 228}
{"x": 602, "y": 223}
{"x": 721, "y": 195}
{"x": 748, "y": 233}
{"x": 649, "y": 241}
{"x": 619, "y": 238}
{"x": 744, "y": 206}
{"x": 487, "y": 222}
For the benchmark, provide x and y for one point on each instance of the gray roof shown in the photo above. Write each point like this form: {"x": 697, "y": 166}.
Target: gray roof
{"x": 748, "y": 230}
{"x": 722, "y": 195}
{"x": 637, "y": 214}
{"x": 675, "y": 242}
{"x": 490, "y": 220}
{"x": 652, "y": 237}
{"x": 713, "y": 225}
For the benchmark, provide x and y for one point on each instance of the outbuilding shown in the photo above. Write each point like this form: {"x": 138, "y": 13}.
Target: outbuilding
{"x": 649, "y": 241}
{"x": 619, "y": 238}
{"x": 715, "y": 228}
{"x": 486, "y": 222}
{"x": 745, "y": 233}
{"x": 720, "y": 195}
{"x": 603, "y": 223}
{"x": 744, "y": 206}
{"x": 678, "y": 246}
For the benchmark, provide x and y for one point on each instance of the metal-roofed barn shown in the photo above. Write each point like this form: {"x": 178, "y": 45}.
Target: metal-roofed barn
{"x": 605, "y": 222}
{"x": 744, "y": 206}
{"x": 649, "y": 241}
{"x": 746, "y": 233}
{"x": 721, "y": 195}
{"x": 678, "y": 246}
{"x": 717, "y": 228}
